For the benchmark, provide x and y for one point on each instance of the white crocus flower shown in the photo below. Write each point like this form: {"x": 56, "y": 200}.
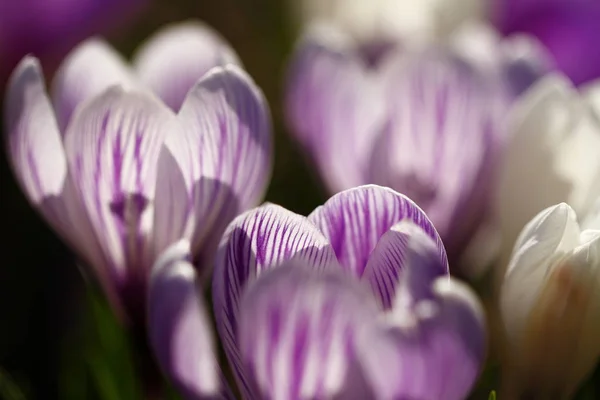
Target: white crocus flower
{"x": 550, "y": 304}
{"x": 552, "y": 156}
{"x": 407, "y": 20}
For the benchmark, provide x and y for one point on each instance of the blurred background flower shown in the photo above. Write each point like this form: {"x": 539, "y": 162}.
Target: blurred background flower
{"x": 50, "y": 28}
{"x": 567, "y": 28}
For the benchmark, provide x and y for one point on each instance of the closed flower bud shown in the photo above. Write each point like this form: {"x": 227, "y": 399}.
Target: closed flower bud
{"x": 550, "y": 304}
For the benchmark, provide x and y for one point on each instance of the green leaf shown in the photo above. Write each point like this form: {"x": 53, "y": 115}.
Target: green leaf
{"x": 9, "y": 390}
{"x": 99, "y": 360}
{"x": 492, "y": 395}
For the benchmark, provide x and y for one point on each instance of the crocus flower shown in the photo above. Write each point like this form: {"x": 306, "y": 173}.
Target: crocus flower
{"x": 550, "y": 303}
{"x": 49, "y": 28}
{"x": 553, "y": 156}
{"x": 425, "y": 123}
{"x": 567, "y": 28}
{"x": 119, "y": 175}
{"x": 353, "y": 301}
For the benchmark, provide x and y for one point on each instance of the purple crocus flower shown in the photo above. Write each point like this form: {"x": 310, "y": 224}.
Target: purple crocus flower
{"x": 353, "y": 301}
{"x": 49, "y": 28}
{"x": 118, "y": 174}
{"x": 426, "y": 123}
{"x": 568, "y": 29}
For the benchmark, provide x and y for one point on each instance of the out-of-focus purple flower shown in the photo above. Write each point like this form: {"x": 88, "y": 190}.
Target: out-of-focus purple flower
{"x": 354, "y": 301}
{"x": 119, "y": 174}
{"x": 49, "y": 28}
{"x": 568, "y": 29}
{"x": 427, "y": 123}
{"x": 552, "y": 290}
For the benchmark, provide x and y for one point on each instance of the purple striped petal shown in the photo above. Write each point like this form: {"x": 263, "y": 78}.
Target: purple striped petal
{"x": 179, "y": 326}
{"x": 334, "y": 106}
{"x": 224, "y": 153}
{"x": 112, "y": 148}
{"x": 87, "y": 71}
{"x": 354, "y": 220}
{"x": 433, "y": 343}
{"x": 39, "y": 162}
{"x": 441, "y": 144}
{"x": 298, "y": 330}
{"x": 177, "y": 56}
{"x": 389, "y": 259}
{"x": 258, "y": 240}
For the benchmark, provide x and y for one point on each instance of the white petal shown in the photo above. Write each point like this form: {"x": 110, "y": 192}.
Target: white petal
{"x": 592, "y": 219}
{"x": 552, "y": 157}
{"x": 551, "y": 235}
{"x": 592, "y": 92}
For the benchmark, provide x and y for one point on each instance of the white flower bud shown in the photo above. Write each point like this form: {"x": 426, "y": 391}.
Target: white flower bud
{"x": 550, "y": 303}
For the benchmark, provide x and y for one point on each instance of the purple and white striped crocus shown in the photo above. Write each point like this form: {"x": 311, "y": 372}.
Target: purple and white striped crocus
{"x": 353, "y": 302}
{"x": 120, "y": 175}
{"x": 426, "y": 123}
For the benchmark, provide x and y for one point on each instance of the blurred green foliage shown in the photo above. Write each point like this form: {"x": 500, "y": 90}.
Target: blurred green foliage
{"x": 98, "y": 356}
{"x": 9, "y": 389}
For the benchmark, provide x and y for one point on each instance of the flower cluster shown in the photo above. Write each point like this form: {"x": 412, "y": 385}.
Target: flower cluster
{"x": 448, "y": 150}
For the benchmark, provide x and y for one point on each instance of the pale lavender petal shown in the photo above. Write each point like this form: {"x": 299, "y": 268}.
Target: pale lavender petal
{"x": 442, "y": 142}
{"x": 35, "y": 146}
{"x": 40, "y": 164}
{"x": 439, "y": 357}
{"x": 524, "y": 62}
{"x": 334, "y": 106}
{"x": 354, "y": 221}
{"x": 179, "y": 325}
{"x": 173, "y": 198}
{"x": 297, "y": 333}
{"x": 87, "y": 71}
{"x": 390, "y": 258}
{"x": 177, "y": 56}
{"x": 519, "y": 60}
{"x": 433, "y": 343}
{"x": 258, "y": 240}
{"x": 112, "y": 146}
{"x": 225, "y": 153}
